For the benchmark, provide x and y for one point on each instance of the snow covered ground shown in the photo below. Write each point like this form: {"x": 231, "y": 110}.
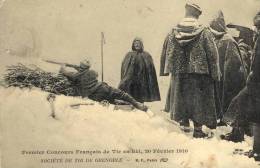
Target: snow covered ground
{"x": 26, "y": 125}
{"x": 69, "y": 31}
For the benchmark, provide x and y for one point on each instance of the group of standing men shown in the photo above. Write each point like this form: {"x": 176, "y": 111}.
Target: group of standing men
{"x": 210, "y": 78}
{"x": 207, "y": 68}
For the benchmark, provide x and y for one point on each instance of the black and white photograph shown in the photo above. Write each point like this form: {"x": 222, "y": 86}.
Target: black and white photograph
{"x": 130, "y": 83}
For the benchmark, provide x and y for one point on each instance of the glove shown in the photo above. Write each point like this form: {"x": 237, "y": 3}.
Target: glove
{"x": 62, "y": 68}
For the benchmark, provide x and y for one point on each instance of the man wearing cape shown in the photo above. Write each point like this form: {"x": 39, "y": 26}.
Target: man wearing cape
{"x": 231, "y": 64}
{"x": 193, "y": 62}
{"x": 138, "y": 74}
{"x": 245, "y": 107}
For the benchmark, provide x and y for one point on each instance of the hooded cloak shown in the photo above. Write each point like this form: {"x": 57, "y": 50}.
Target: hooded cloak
{"x": 193, "y": 62}
{"x": 245, "y": 107}
{"x": 138, "y": 75}
{"x": 230, "y": 61}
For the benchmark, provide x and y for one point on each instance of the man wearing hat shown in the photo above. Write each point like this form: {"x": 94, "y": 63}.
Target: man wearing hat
{"x": 164, "y": 69}
{"x": 246, "y": 105}
{"x": 231, "y": 64}
{"x": 89, "y": 86}
{"x": 193, "y": 63}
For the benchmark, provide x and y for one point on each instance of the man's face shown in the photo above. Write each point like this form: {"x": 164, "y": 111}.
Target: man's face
{"x": 85, "y": 64}
{"x": 137, "y": 45}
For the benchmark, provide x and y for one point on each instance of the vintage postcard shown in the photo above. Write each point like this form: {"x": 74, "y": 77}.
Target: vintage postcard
{"x": 129, "y": 83}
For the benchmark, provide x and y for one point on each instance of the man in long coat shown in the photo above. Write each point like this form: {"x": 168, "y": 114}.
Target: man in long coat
{"x": 231, "y": 64}
{"x": 138, "y": 74}
{"x": 245, "y": 107}
{"x": 193, "y": 62}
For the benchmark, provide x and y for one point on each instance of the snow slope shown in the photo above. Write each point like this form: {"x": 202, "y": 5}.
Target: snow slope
{"x": 68, "y": 31}
{"x": 26, "y": 125}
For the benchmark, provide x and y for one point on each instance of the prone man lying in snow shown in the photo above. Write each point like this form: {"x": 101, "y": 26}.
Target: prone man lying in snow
{"x": 89, "y": 86}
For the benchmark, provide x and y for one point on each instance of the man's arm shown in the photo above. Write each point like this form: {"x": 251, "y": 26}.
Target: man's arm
{"x": 212, "y": 55}
{"x": 76, "y": 67}
{"x": 70, "y": 75}
{"x": 234, "y": 62}
{"x": 164, "y": 59}
{"x": 169, "y": 51}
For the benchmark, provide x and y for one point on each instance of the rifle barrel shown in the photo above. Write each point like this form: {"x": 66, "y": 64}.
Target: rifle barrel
{"x": 53, "y": 62}
{"x": 60, "y": 63}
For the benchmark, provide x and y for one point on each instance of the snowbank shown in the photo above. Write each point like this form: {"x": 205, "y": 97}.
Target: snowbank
{"x": 26, "y": 125}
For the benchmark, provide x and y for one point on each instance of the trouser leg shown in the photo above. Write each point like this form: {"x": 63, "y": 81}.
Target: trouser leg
{"x": 121, "y": 95}
{"x": 197, "y": 126}
{"x": 218, "y": 104}
{"x": 168, "y": 101}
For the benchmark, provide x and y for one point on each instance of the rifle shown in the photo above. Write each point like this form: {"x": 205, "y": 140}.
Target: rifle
{"x": 77, "y": 67}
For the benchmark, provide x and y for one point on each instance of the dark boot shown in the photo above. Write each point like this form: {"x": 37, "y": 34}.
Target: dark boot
{"x": 141, "y": 106}
{"x": 236, "y": 135}
{"x": 126, "y": 97}
{"x": 185, "y": 125}
{"x": 257, "y": 157}
{"x": 198, "y": 133}
{"x": 253, "y": 154}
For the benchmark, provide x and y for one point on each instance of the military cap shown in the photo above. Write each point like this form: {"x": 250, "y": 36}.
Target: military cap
{"x": 85, "y": 64}
{"x": 195, "y": 6}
